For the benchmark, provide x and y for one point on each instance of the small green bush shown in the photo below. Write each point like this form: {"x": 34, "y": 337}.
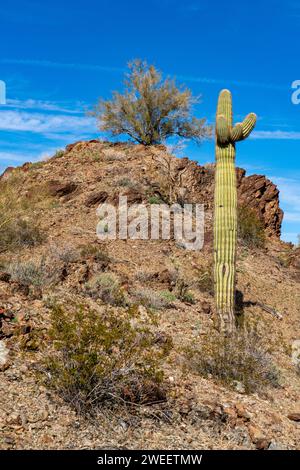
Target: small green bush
{"x": 59, "y": 153}
{"x": 107, "y": 288}
{"x": 250, "y": 228}
{"x": 101, "y": 359}
{"x": 182, "y": 291}
{"x": 155, "y": 200}
{"x": 188, "y": 297}
{"x": 153, "y": 299}
{"x": 243, "y": 357}
{"x": 168, "y": 296}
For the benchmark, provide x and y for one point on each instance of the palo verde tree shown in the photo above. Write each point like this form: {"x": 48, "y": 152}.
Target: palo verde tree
{"x": 151, "y": 109}
{"x": 225, "y": 208}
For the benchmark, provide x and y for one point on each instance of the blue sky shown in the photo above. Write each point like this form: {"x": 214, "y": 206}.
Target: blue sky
{"x": 58, "y": 57}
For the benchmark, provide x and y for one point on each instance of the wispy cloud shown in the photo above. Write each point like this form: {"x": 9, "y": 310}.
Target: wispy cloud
{"x": 289, "y": 191}
{"x": 224, "y": 82}
{"x": 276, "y": 135}
{"x": 12, "y": 157}
{"x": 253, "y": 168}
{"x": 32, "y": 104}
{"x": 292, "y": 216}
{"x": 44, "y": 123}
{"x": 103, "y": 68}
{"x": 61, "y": 65}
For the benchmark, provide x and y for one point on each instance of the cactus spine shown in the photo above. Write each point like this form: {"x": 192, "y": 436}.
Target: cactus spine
{"x": 225, "y": 208}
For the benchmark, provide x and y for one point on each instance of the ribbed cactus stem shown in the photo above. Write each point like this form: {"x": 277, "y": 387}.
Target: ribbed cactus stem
{"x": 225, "y": 208}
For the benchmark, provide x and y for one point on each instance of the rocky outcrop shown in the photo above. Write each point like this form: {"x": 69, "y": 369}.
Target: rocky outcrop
{"x": 177, "y": 179}
{"x": 262, "y": 195}
{"x": 195, "y": 183}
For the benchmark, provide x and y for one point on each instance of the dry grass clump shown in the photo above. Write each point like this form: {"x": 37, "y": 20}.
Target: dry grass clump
{"x": 243, "y": 358}
{"x": 100, "y": 359}
{"x": 33, "y": 276}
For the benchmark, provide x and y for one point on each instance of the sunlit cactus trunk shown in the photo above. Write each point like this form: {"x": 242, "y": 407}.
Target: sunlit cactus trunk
{"x": 225, "y": 208}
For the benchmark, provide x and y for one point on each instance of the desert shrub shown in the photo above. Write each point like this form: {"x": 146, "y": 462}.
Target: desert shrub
{"x": 153, "y": 299}
{"x": 107, "y": 288}
{"x": 205, "y": 281}
{"x": 19, "y": 213}
{"x": 27, "y": 273}
{"x": 244, "y": 358}
{"x": 168, "y": 296}
{"x": 150, "y": 110}
{"x": 155, "y": 200}
{"x": 144, "y": 276}
{"x": 59, "y": 153}
{"x": 188, "y": 297}
{"x": 93, "y": 251}
{"x": 250, "y": 228}
{"x": 15, "y": 233}
{"x": 99, "y": 359}
{"x": 34, "y": 276}
{"x": 127, "y": 182}
{"x": 65, "y": 254}
{"x": 182, "y": 289}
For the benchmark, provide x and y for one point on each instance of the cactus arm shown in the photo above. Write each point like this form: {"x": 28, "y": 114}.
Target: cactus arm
{"x": 242, "y": 130}
{"x": 237, "y": 132}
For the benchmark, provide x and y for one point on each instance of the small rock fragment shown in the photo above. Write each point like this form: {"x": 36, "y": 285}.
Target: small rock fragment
{"x": 294, "y": 417}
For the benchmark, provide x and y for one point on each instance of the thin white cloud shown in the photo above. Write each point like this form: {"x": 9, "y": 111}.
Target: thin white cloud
{"x": 276, "y": 135}
{"x": 251, "y": 168}
{"x": 225, "y": 82}
{"x": 12, "y": 157}
{"x": 292, "y": 216}
{"x": 289, "y": 191}
{"x": 61, "y": 65}
{"x": 44, "y": 123}
{"x": 44, "y": 106}
{"x": 102, "y": 68}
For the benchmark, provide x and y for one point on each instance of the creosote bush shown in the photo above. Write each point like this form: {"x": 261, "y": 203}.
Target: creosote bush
{"x": 106, "y": 358}
{"x": 243, "y": 357}
{"x": 250, "y": 228}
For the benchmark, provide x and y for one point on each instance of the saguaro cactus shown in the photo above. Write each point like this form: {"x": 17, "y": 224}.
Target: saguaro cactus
{"x": 225, "y": 207}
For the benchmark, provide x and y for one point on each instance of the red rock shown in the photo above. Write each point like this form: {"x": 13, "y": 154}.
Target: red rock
{"x": 258, "y": 438}
{"x": 294, "y": 417}
{"x": 96, "y": 198}
{"x": 58, "y": 188}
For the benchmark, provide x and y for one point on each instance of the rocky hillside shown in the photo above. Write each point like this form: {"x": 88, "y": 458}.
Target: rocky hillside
{"x": 57, "y": 201}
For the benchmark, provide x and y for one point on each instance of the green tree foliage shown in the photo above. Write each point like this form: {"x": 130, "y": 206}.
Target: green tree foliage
{"x": 151, "y": 109}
